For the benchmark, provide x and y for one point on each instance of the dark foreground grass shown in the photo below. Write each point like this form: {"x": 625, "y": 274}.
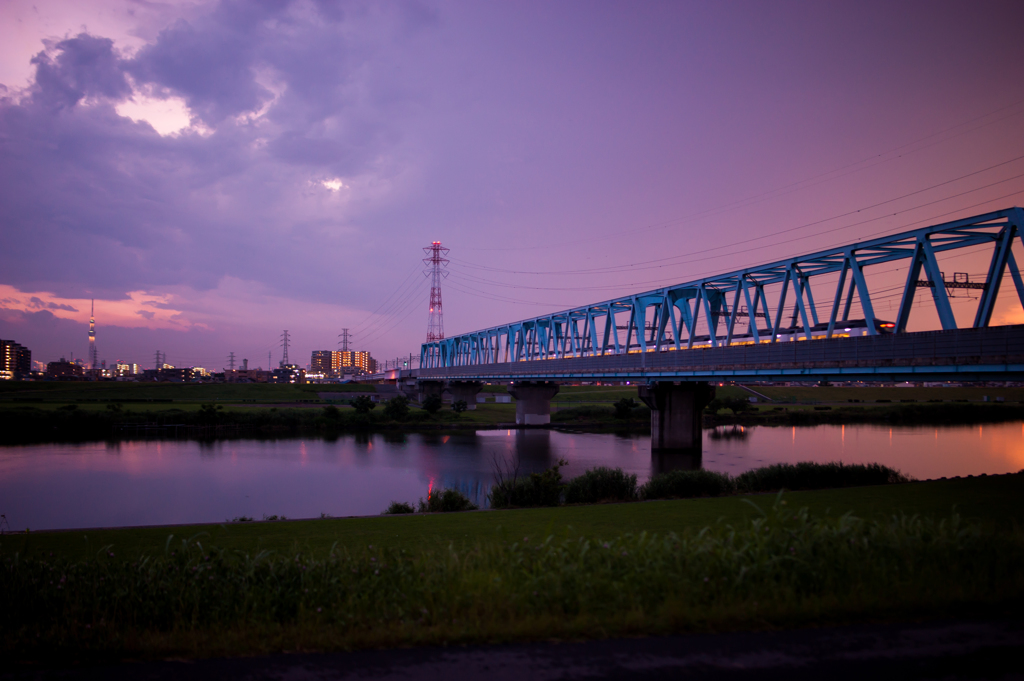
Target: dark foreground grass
{"x": 992, "y": 501}
{"x": 779, "y": 568}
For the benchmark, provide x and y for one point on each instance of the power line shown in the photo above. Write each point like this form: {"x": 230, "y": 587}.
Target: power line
{"x": 793, "y": 186}
{"x": 639, "y": 265}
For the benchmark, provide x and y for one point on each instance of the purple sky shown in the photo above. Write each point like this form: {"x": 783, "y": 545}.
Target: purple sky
{"x": 216, "y": 172}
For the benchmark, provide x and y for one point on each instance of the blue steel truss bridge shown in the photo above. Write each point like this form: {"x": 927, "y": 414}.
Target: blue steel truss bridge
{"x": 765, "y": 323}
{"x": 748, "y": 324}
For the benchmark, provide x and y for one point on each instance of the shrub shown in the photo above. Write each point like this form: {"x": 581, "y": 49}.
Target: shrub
{"x": 446, "y": 501}
{"x": 582, "y": 413}
{"x": 686, "y": 484}
{"x": 332, "y": 412}
{"x": 397, "y": 408}
{"x": 398, "y": 507}
{"x": 808, "y": 475}
{"x": 363, "y": 404}
{"x": 432, "y": 404}
{"x": 538, "y": 489}
{"x": 459, "y": 406}
{"x": 209, "y": 413}
{"x": 624, "y": 407}
{"x": 738, "y": 405}
{"x": 601, "y": 484}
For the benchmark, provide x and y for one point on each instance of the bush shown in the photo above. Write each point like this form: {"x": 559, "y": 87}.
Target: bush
{"x": 397, "y": 408}
{"x": 398, "y": 507}
{"x": 582, "y": 413}
{"x": 209, "y": 413}
{"x": 686, "y": 484}
{"x": 738, "y": 405}
{"x": 363, "y": 404}
{"x": 446, "y": 501}
{"x": 332, "y": 412}
{"x": 808, "y": 475}
{"x": 624, "y": 407}
{"x": 432, "y": 404}
{"x": 601, "y": 484}
{"x": 459, "y": 406}
{"x": 538, "y": 489}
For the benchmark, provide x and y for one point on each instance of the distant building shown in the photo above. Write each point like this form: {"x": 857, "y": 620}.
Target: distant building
{"x": 15, "y": 360}
{"x": 123, "y": 369}
{"x": 334, "y": 363}
{"x": 65, "y": 370}
{"x": 289, "y": 373}
{"x": 176, "y": 375}
{"x": 246, "y": 376}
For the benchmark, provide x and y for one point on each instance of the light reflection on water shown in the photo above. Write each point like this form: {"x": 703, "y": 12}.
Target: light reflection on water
{"x": 163, "y": 482}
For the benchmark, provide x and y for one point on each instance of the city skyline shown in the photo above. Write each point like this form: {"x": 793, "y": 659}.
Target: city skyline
{"x": 214, "y": 172}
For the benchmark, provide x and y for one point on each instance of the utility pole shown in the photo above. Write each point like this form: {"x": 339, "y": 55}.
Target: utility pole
{"x": 344, "y": 335}
{"x": 284, "y": 343}
{"x": 270, "y": 362}
{"x": 231, "y": 361}
{"x": 436, "y": 263}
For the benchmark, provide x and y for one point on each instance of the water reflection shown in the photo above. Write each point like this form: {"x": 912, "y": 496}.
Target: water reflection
{"x": 533, "y": 449}
{"x": 156, "y": 482}
{"x": 664, "y": 461}
{"x": 729, "y": 433}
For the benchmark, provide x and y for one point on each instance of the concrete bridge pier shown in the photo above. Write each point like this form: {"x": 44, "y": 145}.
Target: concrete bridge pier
{"x": 427, "y": 388}
{"x": 465, "y": 390}
{"x": 533, "y": 401}
{"x": 676, "y": 412}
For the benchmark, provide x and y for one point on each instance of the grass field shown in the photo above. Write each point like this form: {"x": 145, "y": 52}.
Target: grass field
{"x": 496, "y": 576}
{"x": 992, "y": 501}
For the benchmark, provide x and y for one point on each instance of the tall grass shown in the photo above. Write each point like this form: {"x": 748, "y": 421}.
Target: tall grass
{"x": 446, "y": 501}
{"x": 783, "y": 567}
{"x": 686, "y": 484}
{"x": 536, "y": 489}
{"x": 601, "y": 484}
{"x": 807, "y": 475}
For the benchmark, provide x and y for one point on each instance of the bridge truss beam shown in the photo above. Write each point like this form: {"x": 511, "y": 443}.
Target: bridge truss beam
{"x": 708, "y": 312}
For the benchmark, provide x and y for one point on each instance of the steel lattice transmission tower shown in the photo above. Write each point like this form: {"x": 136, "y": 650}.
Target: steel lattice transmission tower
{"x": 284, "y": 343}
{"x": 344, "y": 336}
{"x": 436, "y": 263}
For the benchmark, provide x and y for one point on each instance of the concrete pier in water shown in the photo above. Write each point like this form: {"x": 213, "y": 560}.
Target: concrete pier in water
{"x": 676, "y": 411}
{"x": 533, "y": 401}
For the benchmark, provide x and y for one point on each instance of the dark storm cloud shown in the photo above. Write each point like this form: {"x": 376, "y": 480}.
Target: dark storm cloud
{"x": 84, "y": 66}
{"x": 96, "y": 202}
{"x": 211, "y": 68}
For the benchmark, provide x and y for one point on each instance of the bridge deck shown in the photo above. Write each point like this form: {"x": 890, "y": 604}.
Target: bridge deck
{"x": 994, "y": 353}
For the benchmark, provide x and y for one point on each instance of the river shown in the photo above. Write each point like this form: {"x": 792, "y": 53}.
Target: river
{"x": 149, "y": 482}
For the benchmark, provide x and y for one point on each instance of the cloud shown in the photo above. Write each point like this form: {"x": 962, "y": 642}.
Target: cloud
{"x": 191, "y": 159}
{"x": 76, "y": 68}
{"x": 148, "y": 314}
{"x": 61, "y": 306}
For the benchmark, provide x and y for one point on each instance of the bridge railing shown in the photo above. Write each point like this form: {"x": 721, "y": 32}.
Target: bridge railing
{"x": 749, "y": 306}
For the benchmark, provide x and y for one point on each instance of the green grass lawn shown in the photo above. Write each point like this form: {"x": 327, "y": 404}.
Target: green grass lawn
{"x": 992, "y": 501}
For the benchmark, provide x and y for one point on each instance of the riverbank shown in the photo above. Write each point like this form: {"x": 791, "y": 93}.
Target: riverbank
{"x": 84, "y": 422}
{"x": 571, "y": 572}
{"x": 991, "y": 501}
